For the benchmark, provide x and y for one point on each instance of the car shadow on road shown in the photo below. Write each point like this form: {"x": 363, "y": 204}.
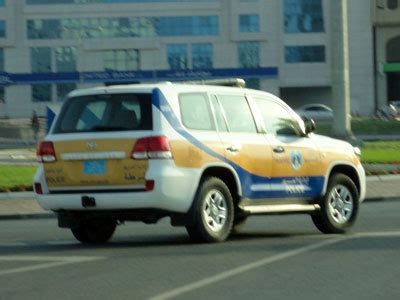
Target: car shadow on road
{"x": 168, "y": 243}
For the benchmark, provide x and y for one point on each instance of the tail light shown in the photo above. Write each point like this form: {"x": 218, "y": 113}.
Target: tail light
{"x": 45, "y": 152}
{"x": 154, "y": 147}
{"x": 38, "y": 188}
{"x": 149, "y": 185}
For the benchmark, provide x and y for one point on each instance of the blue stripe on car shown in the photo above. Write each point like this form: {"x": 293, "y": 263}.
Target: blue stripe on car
{"x": 309, "y": 187}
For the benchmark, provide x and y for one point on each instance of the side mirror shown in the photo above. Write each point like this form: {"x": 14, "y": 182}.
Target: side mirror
{"x": 309, "y": 125}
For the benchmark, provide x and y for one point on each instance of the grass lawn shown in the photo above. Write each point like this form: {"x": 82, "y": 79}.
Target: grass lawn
{"x": 364, "y": 126}
{"x": 381, "y": 152}
{"x": 16, "y": 178}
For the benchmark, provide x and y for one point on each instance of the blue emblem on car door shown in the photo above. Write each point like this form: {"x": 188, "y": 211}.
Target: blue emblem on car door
{"x": 296, "y": 160}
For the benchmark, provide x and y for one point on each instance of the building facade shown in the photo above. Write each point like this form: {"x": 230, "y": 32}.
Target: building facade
{"x": 386, "y": 20}
{"x": 49, "y": 47}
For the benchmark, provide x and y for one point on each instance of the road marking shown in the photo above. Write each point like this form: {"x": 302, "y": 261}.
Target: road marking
{"x": 264, "y": 262}
{"x": 45, "y": 262}
{"x": 244, "y": 268}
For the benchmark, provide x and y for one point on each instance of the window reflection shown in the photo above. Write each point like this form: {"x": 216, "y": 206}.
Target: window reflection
{"x": 305, "y": 54}
{"x": 123, "y": 27}
{"x": 302, "y": 16}
{"x": 249, "y": 23}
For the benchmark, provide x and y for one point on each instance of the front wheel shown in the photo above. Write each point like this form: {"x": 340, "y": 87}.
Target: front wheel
{"x": 339, "y": 206}
{"x": 94, "y": 231}
{"x": 212, "y": 212}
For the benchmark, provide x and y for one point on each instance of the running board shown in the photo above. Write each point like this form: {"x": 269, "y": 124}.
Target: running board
{"x": 280, "y": 208}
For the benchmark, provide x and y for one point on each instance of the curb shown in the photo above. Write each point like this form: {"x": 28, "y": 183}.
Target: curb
{"x": 17, "y": 195}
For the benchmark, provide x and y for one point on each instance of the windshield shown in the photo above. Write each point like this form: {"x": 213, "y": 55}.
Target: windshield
{"x": 108, "y": 112}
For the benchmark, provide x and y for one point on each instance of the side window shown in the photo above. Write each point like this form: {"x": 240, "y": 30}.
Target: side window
{"x": 277, "y": 119}
{"x": 195, "y": 111}
{"x": 219, "y": 116}
{"x": 238, "y": 114}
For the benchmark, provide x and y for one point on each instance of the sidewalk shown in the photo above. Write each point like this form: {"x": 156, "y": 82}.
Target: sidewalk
{"x": 22, "y": 205}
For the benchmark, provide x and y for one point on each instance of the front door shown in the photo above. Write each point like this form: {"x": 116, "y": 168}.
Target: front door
{"x": 296, "y": 162}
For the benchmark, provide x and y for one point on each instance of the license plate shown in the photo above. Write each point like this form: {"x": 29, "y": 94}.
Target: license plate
{"x": 94, "y": 167}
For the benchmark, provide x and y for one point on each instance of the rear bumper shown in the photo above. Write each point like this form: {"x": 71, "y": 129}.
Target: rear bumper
{"x": 174, "y": 190}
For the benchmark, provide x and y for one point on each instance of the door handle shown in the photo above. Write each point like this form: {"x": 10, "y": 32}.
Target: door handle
{"x": 279, "y": 149}
{"x": 232, "y": 149}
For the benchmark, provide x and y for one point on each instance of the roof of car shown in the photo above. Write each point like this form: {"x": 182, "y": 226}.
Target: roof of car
{"x": 149, "y": 87}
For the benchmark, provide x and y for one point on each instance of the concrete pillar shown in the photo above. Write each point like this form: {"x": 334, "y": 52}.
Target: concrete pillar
{"x": 340, "y": 69}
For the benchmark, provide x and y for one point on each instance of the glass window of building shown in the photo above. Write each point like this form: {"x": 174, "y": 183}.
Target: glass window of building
{"x": 177, "y": 56}
{"x": 123, "y": 27}
{"x": 63, "y": 89}
{"x": 41, "y": 93}
{"x": 305, "y": 54}
{"x": 302, "y": 16}
{"x": 392, "y": 4}
{"x": 2, "y": 29}
{"x": 2, "y": 89}
{"x": 202, "y": 56}
{"x": 121, "y": 60}
{"x": 65, "y": 59}
{"x": 249, "y": 23}
{"x": 249, "y": 54}
{"x": 41, "y": 59}
{"x": 41, "y": 2}
{"x": 2, "y": 95}
{"x": 2, "y": 60}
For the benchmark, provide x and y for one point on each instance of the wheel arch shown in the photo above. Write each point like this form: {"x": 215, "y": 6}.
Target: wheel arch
{"x": 228, "y": 176}
{"x": 346, "y": 169}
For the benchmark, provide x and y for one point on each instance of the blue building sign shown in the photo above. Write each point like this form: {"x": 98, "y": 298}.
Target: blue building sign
{"x": 135, "y": 76}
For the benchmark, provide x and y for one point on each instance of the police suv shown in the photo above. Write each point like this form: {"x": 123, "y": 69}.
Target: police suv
{"x": 206, "y": 156}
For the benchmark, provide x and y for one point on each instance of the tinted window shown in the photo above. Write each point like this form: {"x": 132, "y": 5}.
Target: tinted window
{"x": 277, "y": 119}
{"x": 195, "y": 111}
{"x": 238, "y": 114}
{"x": 106, "y": 113}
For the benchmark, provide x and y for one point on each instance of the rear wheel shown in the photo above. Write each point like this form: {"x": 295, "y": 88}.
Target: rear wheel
{"x": 94, "y": 231}
{"x": 212, "y": 212}
{"x": 339, "y": 206}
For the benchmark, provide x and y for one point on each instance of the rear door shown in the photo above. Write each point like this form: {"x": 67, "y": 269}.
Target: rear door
{"x": 93, "y": 140}
{"x": 245, "y": 147}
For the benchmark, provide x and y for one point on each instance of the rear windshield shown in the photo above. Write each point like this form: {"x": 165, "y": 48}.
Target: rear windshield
{"x": 109, "y": 112}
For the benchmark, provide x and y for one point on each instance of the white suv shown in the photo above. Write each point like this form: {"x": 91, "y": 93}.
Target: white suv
{"x": 205, "y": 156}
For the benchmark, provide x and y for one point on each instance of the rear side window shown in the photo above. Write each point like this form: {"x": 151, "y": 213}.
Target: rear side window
{"x": 195, "y": 111}
{"x": 110, "y": 112}
{"x": 238, "y": 114}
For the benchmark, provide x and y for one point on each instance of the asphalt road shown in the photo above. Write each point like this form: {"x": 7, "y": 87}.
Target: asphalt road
{"x": 276, "y": 257}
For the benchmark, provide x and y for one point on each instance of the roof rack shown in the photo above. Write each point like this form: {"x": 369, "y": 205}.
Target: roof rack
{"x": 237, "y": 82}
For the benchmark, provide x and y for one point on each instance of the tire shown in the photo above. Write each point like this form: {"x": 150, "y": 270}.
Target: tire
{"x": 339, "y": 206}
{"x": 94, "y": 231}
{"x": 211, "y": 212}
